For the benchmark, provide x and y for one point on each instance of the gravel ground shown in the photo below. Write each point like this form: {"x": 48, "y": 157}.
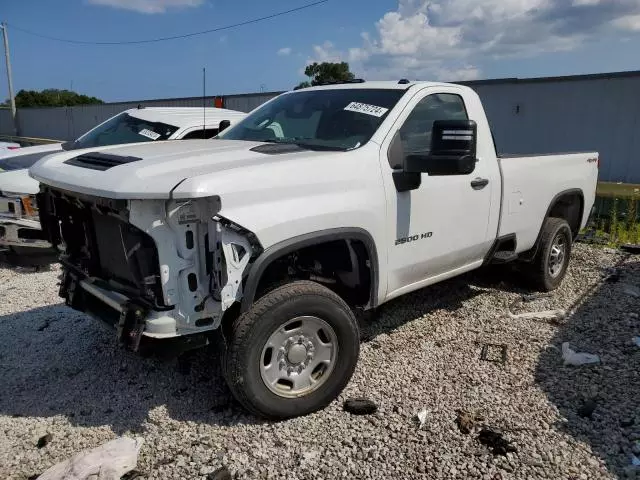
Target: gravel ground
{"x": 61, "y": 374}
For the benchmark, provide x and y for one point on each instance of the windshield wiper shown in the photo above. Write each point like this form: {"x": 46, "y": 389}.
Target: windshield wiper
{"x": 315, "y": 146}
{"x": 301, "y": 144}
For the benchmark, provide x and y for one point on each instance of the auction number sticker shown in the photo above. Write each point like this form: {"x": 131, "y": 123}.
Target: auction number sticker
{"x": 367, "y": 109}
{"x": 145, "y": 132}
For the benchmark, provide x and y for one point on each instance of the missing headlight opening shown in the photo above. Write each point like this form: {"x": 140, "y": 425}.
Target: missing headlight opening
{"x": 117, "y": 258}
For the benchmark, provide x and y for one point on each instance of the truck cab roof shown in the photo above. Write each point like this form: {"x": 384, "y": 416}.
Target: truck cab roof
{"x": 384, "y": 84}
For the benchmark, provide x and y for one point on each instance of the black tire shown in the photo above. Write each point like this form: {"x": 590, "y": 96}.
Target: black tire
{"x": 250, "y": 332}
{"x": 540, "y": 271}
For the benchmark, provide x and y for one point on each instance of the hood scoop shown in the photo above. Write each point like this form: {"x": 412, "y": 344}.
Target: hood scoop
{"x": 277, "y": 148}
{"x": 100, "y": 161}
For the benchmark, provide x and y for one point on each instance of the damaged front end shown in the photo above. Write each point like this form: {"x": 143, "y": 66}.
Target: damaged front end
{"x": 155, "y": 268}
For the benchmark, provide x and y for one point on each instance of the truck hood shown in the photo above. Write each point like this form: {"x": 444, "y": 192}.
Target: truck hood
{"x": 154, "y": 170}
{"x": 18, "y": 181}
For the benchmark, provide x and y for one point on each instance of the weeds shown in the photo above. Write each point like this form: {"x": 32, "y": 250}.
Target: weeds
{"x": 616, "y": 221}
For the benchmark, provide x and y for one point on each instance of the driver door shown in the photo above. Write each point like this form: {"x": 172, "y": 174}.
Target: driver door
{"x": 440, "y": 228}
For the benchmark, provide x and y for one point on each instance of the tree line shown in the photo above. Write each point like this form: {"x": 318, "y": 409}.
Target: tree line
{"x": 52, "y": 97}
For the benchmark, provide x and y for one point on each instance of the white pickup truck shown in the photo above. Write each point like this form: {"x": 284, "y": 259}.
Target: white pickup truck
{"x": 322, "y": 202}
{"x": 19, "y": 227}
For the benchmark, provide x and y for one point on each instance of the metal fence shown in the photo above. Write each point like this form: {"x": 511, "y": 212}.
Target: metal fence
{"x": 588, "y": 112}
{"x": 68, "y": 123}
{"x": 591, "y": 112}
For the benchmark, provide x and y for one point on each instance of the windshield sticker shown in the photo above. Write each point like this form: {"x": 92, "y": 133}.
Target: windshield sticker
{"x": 145, "y": 132}
{"x": 366, "y": 109}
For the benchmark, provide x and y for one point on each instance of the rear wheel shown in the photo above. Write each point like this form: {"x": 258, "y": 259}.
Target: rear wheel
{"x": 550, "y": 264}
{"x": 293, "y": 352}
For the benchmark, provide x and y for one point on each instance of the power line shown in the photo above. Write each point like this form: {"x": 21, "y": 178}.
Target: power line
{"x": 175, "y": 37}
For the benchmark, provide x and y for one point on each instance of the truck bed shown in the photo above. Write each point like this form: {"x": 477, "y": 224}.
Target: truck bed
{"x": 532, "y": 182}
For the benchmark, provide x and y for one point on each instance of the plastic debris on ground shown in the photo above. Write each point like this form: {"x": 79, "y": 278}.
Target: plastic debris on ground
{"x": 576, "y": 359}
{"x": 531, "y": 297}
{"x": 360, "y": 406}
{"x": 636, "y": 341}
{"x": 106, "y": 462}
{"x": 631, "y": 290}
{"x": 544, "y": 315}
{"x": 421, "y": 418}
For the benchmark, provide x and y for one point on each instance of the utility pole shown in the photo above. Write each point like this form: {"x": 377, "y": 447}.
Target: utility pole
{"x": 204, "y": 100}
{"x": 12, "y": 98}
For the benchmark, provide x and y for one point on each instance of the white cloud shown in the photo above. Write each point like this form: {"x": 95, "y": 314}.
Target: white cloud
{"x": 326, "y": 53}
{"x": 147, "y": 6}
{"x": 283, "y": 52}
{"x": 631, "y": 23}
{"x": 449, "y": 39}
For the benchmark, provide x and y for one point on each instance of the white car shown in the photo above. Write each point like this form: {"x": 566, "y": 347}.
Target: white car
{"x": 19, "y": 226}
{"x": 322, "y": 202}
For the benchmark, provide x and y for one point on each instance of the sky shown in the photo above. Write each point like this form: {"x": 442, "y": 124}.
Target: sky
{"x": 445, "y": 40}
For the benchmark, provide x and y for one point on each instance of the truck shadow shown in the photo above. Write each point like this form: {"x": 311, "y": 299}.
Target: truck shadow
{"x": 55, "y": 361}
{"x": 449, "y": 295}
{"x": 604, "y": 323}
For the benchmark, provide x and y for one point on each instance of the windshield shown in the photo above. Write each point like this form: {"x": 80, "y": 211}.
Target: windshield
{"x": 322, "y": 119}
{"x": 123, "y": 128}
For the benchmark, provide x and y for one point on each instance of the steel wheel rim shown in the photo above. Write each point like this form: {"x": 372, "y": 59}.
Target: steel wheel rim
{"x": 299, "y": 356}
{"x": 557, "y": 255}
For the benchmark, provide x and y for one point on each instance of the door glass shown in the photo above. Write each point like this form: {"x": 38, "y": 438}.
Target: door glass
{"x": 415, "y": 133}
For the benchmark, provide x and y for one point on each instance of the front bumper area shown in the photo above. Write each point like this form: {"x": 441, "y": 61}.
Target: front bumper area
{"x": 150, "y": 268}
{"x": 22, "y": 233}
{"x": 130, "y": 317}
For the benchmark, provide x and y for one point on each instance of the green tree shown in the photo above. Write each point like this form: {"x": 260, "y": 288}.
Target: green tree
{"x": 52, "y": 97}
{"x": 324, "y": 72}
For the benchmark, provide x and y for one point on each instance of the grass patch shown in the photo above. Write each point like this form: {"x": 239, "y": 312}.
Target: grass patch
{"x": 617, "y": 190}
{"x": 616, "y": 216}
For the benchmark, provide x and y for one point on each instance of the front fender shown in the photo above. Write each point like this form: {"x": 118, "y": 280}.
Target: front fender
{"x": 278, "y": 250}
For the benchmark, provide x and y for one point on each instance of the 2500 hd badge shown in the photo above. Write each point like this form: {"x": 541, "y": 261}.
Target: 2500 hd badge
{"x": 414, "y": 238}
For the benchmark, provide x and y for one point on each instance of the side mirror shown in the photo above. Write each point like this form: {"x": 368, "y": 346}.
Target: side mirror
{"x": 453, "y": 150}
{"x": 223, "y": 125}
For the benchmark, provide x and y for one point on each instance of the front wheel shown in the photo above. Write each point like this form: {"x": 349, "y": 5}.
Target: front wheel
{"x": 550, "y": 265}
{"x": 293, "y": 352}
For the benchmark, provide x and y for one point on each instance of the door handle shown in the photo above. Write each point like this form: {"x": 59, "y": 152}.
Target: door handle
{"x": 479, "y": 183}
